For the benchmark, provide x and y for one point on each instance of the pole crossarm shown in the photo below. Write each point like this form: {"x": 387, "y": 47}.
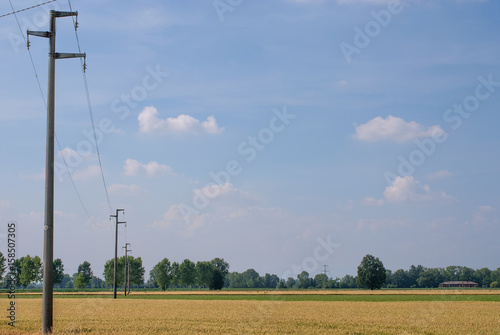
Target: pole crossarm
{"x": 45, "y": 34}
{"x": 60, "y": 55}
{"x": 63, "y": 14}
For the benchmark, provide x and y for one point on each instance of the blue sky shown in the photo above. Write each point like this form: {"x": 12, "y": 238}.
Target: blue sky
{"x": 280, "y": 135}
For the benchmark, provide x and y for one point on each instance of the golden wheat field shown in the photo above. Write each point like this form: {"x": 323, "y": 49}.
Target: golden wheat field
{"x": 91, "y": 315}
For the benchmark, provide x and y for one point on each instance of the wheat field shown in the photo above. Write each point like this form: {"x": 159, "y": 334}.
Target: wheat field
{"x": 98, "y": 315}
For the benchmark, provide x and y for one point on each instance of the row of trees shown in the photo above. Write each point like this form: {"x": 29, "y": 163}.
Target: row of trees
{"x": 187, "y": 274}
{"x": 215, "y": 275}
{"x": 419, "y": 276}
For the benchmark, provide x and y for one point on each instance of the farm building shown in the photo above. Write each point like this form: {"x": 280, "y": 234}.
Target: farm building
{"x": 458, "y": 284}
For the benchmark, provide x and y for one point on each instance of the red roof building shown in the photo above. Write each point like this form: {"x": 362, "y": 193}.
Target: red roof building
{"x": 458, "y": 284}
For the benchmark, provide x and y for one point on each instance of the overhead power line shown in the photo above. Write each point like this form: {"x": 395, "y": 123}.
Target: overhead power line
{"x": 24, "y": 9}
{"x": 45, "y": 104}
{"x": 75, "y": 23}
{"x": 14, "y": 12}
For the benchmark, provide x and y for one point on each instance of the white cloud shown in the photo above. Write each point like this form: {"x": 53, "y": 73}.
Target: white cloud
{"x": 129, "y": 190}
{"x": 375, "y": 225}
{"x": 215, "y": 190}
{"x": 485, "y": 216}
{"x": 70, "y": 154}
{"x": 441, "y": 174}
{"x": 151, "y": 169}
{"x": 149, "y": 122}
{"x": 372, "y": 202}
{"x": 90, "y": 172}
{"x": 394, "y": 129}
{"x": 222, "y": 201}
{"x": 408, "y": 189}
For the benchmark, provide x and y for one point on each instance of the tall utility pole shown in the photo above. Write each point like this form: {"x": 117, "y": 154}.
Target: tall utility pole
{"x": 125, "y": 268}
{"x": 116, "y": 247}
{"x": 48, "y": 236}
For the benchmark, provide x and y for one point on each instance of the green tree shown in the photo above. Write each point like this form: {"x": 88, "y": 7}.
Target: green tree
{"x": 136, "y": 271}
{"x": 30, "y": 270}
{"x": 174, "y": 271}
{"x": 371, "y": 273}
{"x": 204, "y": 272}
{"x": 413, "y": 274}
{"x": 388, "y": 278}
{"x": 494, "y": 284}
{"x": 16, "y": 270}
{"x": 109, "y": 269}
{"x": 80, "y": 282}
{"x": 187, "y": 273}
{"x": 400, "y": 279}
{"x": 58, "y": 271}
{"x": 483, "y": 277}
{"x": 281, "y": 284}
{"x": 270, "y": 281}
{"x": 430, "y": 278}
{"x": 66, "y": 281}
{"x": 97, "y": 282}
{"x": 85, "y": 270}
{"x": 451, "y": 273}
{"x": 303, "y": 280}
{"x": 163, "y": 273}
{"x": 347, "y": 281}
{"x": 221, "y": 265}
{"x": 290, "y": 282}
{"x": 250, "y": 279}
{"x": 217, "y": 282}
{"x": 152, "y": 280}
{"x": 321, "y": 280}
{"x": 219, "y": 273}
{"x": 3, "y": 265}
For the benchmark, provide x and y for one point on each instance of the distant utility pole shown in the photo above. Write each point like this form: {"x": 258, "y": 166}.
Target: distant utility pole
{"x": 125, "y": 268}
{"x": 48, "y": 241}
{"x": 128, "y": 278}
{"x": 116, "y": 247}
{"x": 325, "y": 270}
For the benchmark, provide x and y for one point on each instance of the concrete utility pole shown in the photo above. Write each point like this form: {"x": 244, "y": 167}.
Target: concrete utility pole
{"x": 116, "y": 247}
{"x": 128, "y": 278}
{"x": 125, "y": 268}
{"x": 48, "y": 240}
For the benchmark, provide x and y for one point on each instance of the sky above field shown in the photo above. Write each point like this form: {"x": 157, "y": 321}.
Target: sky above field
{"x": 279, "y": 135}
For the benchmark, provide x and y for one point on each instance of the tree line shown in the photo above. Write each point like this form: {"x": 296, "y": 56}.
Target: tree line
{"x": 215, "y": 275}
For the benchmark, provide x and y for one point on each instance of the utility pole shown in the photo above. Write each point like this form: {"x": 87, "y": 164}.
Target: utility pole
{"x": 128, "y": 278}
{"x": 48, "y": 238}
{"x": 125, "y": 268}
{"x": 116, "y": 247}
{"x": 325, "y": 270}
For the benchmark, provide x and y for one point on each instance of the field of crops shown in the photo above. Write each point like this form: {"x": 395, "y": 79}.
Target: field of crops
{"x": 435, "y": 312}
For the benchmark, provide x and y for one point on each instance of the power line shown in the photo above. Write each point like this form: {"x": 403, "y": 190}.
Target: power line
{"x": 75, "y": 23}
{"x": 14, "y": 12}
